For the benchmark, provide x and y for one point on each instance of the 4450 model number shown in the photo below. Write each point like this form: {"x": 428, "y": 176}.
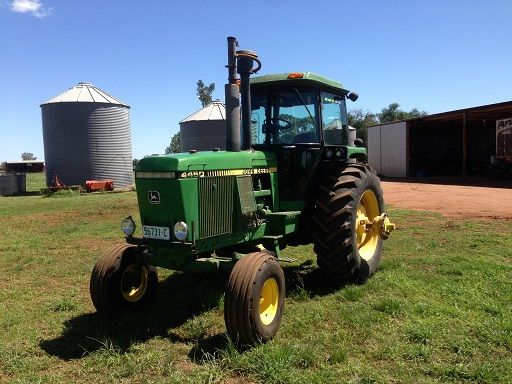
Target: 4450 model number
{"x": 184, "y": 175}
{"x": 226, "y": 172}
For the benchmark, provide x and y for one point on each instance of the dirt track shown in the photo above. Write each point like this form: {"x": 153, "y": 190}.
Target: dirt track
{"x": 451, "y": 200}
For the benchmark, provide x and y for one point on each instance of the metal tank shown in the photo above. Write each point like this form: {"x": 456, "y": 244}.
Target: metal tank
{"x": 205, "y": 129}
{"x": 87, "y": 136}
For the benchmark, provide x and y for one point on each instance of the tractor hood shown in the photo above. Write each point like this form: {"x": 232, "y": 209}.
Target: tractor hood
{"x": 203, "y": 190}
{"x": 205, "y": 161}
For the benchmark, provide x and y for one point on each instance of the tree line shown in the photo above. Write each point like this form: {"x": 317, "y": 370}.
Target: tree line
{"x": 361, "y": 120}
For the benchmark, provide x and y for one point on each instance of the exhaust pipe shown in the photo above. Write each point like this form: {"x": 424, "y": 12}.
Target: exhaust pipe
{"x": 240, "y": 62}
{"x": 232, "y": 95}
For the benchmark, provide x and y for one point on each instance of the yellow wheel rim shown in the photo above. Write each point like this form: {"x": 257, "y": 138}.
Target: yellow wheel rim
{"x": 269, "y": 301}
{"x": 133, "y": 285}
{"x": 367, "y": 211}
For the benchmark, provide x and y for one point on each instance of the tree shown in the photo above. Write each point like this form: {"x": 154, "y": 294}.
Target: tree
{"x": 28, "y": 156}
{"x": 361, "y": 120}
{"x": 394, "y": 113}
{"x": 174, "y": 145}
{"x": 204, "y": 93}
{"x": 134, "y": 162}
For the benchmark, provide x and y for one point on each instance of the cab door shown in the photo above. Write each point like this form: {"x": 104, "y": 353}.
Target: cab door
{"x": 290, "y": 129}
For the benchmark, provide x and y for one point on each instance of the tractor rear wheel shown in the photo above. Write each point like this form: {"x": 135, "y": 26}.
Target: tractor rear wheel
{"x": 254, "y": 301}
{"x": 118, "y": 283}
{"x": 347, "y": 245}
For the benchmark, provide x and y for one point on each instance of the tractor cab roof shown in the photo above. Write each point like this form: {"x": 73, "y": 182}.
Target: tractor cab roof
{"x": 297, "y": 78}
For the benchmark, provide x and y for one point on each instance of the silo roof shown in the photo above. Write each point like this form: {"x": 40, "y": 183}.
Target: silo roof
{"x": 214, "y": 111}
{"x": 85, "y": 93}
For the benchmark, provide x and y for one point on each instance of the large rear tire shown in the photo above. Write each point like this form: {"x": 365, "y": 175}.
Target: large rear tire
{"x": 254, "y": 301}
{"x": 346, "y": 248}
{"x": 118, "y": 284}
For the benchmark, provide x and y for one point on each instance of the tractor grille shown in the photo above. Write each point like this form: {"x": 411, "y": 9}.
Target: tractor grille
{"x": 215, "y": 206}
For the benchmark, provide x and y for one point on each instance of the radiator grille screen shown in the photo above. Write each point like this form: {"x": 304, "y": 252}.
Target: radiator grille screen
{"x": 215, "y": 206}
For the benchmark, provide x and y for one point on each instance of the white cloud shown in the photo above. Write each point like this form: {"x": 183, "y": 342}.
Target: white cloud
{"x": 35, "y": 7}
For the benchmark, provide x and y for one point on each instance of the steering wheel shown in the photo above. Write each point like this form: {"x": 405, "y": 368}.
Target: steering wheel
{"x": 278, "y": 122}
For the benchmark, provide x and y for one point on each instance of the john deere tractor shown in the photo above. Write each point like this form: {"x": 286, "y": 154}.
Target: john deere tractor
{"x": 293, "y": 174}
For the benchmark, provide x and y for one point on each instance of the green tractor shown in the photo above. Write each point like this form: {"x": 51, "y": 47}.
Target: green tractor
{"x": 292, "y": 175}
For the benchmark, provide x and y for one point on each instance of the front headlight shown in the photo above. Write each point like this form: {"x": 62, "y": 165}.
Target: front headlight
{"x": 128, "y": 226}
{"x": 180, "y": 230}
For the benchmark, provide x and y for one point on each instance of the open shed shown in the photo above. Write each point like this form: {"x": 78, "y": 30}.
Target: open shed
{"x": 457, "y": 143}
{"x": 25, "y": 166}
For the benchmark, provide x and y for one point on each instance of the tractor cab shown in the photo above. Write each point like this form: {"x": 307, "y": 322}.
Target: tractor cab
{"x": 302, "y": 118}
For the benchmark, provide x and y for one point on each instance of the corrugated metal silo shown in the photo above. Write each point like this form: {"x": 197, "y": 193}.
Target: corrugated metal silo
{"x": 204, "y": 129}
{"x": 87, "y": 136}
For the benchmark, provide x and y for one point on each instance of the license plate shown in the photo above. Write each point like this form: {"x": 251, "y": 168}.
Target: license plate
{"x": 159, "y": 233}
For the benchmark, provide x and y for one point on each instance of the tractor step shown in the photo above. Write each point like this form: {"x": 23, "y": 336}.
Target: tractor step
{"x": 283, "y": 222}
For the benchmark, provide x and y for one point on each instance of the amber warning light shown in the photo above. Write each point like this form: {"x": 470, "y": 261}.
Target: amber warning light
{"x": 296, "y": 75}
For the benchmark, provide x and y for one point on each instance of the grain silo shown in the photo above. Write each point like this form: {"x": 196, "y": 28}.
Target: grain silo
{"x": 205, "y": 129}
{"x": 87, "y": 136}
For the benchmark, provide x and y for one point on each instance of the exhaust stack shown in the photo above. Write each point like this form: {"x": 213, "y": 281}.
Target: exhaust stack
{"x": 240, "y": 62}
{"x": 232, "y": 95}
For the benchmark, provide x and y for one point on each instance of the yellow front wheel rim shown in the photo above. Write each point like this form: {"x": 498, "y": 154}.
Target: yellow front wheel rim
{"x": 367, "y": 236}
{"x": 269, "y": 301}
{"x": 133, "y": 284}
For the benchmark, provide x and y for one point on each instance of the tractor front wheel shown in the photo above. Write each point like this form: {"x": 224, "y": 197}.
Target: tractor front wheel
{"x": 348, "y": 220}
{"x": 254, "y": 301}
{"x": 118, "y": 283}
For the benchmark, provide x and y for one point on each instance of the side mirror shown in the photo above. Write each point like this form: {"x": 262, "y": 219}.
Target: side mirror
{"x": 352, "y": 96}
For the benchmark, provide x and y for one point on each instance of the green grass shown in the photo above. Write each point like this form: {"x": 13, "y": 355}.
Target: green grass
{"x": 439, "y": 310}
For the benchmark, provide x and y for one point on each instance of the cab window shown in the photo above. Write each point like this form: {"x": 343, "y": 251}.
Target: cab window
{"x": 284, "y": 116}
{"x": 334, "y": 118}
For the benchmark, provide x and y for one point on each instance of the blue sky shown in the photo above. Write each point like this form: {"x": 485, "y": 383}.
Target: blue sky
{"x": 434, "y": 55}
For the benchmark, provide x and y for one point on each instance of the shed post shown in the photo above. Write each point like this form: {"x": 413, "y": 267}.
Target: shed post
{"x": 464, "y": 145}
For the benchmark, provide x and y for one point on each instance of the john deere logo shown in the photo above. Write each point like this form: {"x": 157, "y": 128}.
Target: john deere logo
{"x": 154, "y": 197}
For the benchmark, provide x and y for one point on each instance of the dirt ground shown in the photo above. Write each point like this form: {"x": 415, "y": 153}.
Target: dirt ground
{"x": 463, "y": 201}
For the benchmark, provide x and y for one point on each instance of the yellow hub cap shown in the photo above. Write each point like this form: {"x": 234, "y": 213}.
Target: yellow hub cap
{"x": 367, "y": 235}
{"x": 269, "y": 300}
{"x": 133, "y": 284}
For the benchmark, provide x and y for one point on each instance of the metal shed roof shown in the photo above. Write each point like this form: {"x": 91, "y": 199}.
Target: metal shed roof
{"x": 214, "y": 111}
{"x": 489, "y": 111}
{"x": 85, "y": 93}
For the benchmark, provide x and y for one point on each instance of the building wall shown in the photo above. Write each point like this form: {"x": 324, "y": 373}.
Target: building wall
{"x": 387, "y": 149}
{"x": 374, "y": 148}
{"x": 12, "y": 184}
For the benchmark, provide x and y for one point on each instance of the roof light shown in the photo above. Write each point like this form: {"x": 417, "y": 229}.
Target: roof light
{"x": 295, "y": 75}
